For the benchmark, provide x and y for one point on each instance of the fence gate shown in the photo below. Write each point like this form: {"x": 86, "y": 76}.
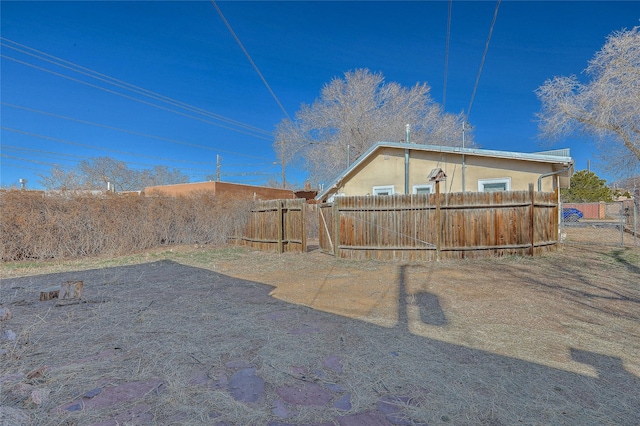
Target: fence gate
{"x": 325, "y": 225}
{"x": 277, "y": 225}
{"x": 610, "y": 224}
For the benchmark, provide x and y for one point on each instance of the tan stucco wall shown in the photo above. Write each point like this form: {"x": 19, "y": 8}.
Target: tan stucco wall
{"x": 234, "y": 190}
{"x": 388, "y": 168}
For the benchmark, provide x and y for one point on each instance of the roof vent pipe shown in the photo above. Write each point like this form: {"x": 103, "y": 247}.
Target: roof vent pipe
{"x": 407, "y": 137}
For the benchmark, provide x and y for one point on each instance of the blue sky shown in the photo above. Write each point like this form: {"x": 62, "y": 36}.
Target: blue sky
{"x": 183, "y": 50}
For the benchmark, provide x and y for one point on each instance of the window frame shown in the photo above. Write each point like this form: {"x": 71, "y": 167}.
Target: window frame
{"x": 431, "y": 187}
{"x": 506, "y": 181}
{"x": 388, "y": 188}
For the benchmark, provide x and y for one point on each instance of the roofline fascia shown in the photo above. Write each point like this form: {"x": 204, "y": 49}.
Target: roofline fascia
{"x": 509, "y": 155}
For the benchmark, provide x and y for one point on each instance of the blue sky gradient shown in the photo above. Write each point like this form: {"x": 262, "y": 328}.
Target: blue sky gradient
{"x": 184, "y": 51}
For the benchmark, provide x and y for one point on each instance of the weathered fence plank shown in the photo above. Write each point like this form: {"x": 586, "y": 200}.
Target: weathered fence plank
{"x": 414, "y": 227}
{"x": 425, "y": 227}
{"x": 276, "y": 225}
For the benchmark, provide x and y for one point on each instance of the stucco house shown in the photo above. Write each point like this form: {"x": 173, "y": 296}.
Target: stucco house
{"x": 402, "y": 168}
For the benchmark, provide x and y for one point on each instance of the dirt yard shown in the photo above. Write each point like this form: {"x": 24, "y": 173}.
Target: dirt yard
{"x": 229, "y": 336}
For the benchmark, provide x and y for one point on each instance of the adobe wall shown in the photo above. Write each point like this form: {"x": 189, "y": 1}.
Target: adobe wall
{"x": 248, "y": 192}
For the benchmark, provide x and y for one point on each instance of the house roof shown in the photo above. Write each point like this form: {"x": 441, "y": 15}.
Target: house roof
{"x": 558, "y": 156}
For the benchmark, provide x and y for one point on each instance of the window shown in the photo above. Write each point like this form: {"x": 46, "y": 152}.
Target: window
{"x": 423, "y": 189}
{"x": 494, "y": 185}
{"x": 383, "y": 190}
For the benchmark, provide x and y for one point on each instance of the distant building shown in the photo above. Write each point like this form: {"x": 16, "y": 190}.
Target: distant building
{"x": 225, "y": 189}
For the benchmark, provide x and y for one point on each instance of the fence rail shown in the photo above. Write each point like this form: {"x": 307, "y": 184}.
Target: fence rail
{"x": 433, "y": 226}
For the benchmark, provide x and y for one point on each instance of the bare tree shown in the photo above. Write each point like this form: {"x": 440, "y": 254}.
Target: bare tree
{"x": 59, "y": 178}
{"x": 355, "y": 112}
{"x": 162, "y": 175}
{"x": 98, "y": 172}
{"x": 608, "y": 107}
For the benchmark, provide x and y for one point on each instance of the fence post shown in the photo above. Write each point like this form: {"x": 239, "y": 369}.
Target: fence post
{"x": 557, "y": 221}
{"x": 438, "y": 222}
{"x": 635, "y": 223}
{"x": 621, "y": 222}
{"x": 280, "y": 228}
{"x": 532, "y": 218}
{"x": 303, "y": 218}
{"x": 336, "y": 226}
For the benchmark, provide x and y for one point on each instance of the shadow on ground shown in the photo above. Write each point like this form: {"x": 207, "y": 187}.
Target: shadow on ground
{"x": 164, "y": 343}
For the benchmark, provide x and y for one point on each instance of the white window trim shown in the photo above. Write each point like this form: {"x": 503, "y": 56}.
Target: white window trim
{"x": 384, "y": 188}
{"x": 426, "y": 185}
{"x": 506, "y": 181}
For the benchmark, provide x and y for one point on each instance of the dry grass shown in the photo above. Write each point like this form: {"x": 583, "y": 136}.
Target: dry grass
{"x": 547, "y": 340}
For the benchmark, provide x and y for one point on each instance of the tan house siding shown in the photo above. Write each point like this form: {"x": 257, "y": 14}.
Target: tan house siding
{"x": 385, "y": 166}
{"x": 248, "y": 192}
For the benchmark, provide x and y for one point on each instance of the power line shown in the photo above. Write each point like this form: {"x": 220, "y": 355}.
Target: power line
{"x": 484, "y": 55}
{"x": 446, "y": 56}
{"x": 83, "y": 145}
{"x": 48, "y": 153}
{"x": 128, "y": 163}
{"x": 127, "y": 86}
{"x": 22, "y": 167}
{"x": 29, "y": 160}
{"x": 255, "y": 67}
{"x": 53, "y": 154}
{"x": 105, "y": 126}
{"x": 130, "y": 97}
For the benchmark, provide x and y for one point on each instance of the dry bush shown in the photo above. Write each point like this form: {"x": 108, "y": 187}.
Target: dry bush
{"x": 40, "y": 226}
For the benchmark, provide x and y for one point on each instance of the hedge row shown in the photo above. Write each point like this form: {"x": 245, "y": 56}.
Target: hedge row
{"x": 35, "y": 225}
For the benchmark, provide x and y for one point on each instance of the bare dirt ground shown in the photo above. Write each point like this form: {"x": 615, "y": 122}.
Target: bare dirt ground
{"x": 230, "y": 336}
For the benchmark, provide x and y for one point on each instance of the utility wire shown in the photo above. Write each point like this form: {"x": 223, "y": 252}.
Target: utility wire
{"x": 63, "y": 154}
{"x": 255, "y": 67}
{"x": 130, "y": 131}
{"x": 127, "y": 86}
{"x": 128, "y": 163}
{"x": 50, "y": 138}
{"x": 29, "y": 160}
{"x": 57, "y": 157}
{"x": 99, "y": 148}
{"x": 484, "y": 55}
{"x": 131, "y": 97}
{"x": 446, "y": 56}
{"x": 21, "y": 167}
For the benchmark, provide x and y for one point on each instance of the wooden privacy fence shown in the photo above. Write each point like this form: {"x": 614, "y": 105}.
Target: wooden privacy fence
{"x": 423, "y": 227}
{"x": 277, "y": 225}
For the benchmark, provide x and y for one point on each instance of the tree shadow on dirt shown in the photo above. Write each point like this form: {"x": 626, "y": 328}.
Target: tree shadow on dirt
{"x": 617, "y": 256}
{"x": 589, "y": 292}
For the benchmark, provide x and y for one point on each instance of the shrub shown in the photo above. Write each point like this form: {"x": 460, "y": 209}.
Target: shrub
{"x": 36, "y": 225}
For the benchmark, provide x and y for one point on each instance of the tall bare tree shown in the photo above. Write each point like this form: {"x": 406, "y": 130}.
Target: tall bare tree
{"x": 58, "y": 178}
{"x": 98, "y": 172}
{"x": 607, "y": 107}
{"x": 353, "y": 113}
